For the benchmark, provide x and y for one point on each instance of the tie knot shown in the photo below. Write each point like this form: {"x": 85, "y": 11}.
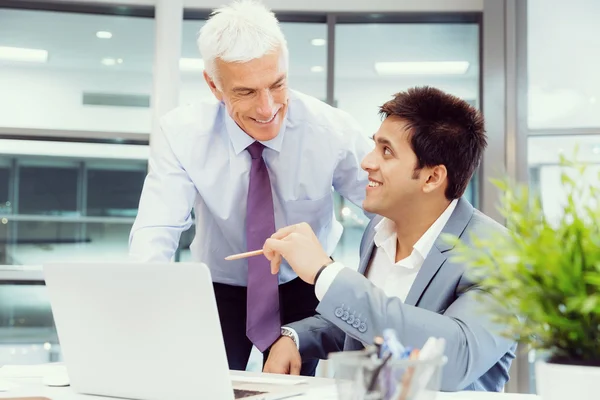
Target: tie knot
{"x": 256, "y": 150}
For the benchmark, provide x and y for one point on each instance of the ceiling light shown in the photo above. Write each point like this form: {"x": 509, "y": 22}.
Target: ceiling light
{"x": 103, "y": 35}
{"x": 422, "y": 68}
{"x": 24, "y": 55}
{"x": 109, "y": 61}
{"x": 317, "y": 68}
{"x": 191, "y": 64}
{"x": 318, "y": 42}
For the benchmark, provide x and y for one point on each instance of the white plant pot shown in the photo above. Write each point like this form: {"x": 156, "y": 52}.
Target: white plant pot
{"x": 567, "y": 382}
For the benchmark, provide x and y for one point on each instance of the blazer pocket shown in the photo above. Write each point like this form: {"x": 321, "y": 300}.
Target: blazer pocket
{"x": 317, "y": 213}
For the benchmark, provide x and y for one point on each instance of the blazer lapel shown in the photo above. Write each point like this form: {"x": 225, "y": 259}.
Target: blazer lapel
{"x": 430, "y": 267}
{"x": 365, "y": 259}
{"x": 367, "y": 246}
{"x": 435, "y": 259}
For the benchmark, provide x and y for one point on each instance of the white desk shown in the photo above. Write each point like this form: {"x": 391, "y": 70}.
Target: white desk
{"x": 320, "y": 389}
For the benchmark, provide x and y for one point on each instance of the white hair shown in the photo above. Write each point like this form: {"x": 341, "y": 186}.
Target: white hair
{"x": 242, "y": 31}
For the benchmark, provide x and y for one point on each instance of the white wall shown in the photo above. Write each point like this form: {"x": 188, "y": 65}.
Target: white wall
{"x": 328, "y": 5}
{"x": 52, "y": 99}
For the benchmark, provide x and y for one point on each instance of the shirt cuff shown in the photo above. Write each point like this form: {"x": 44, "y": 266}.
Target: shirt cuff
{"x": 294, "y": 334}
{"x": 326, "y": 279}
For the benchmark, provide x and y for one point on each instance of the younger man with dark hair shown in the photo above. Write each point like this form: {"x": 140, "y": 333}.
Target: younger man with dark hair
{"x": 427, "y": 149}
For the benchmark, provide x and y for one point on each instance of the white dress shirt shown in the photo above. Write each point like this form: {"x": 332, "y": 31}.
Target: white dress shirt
{"x": 394, "y": 278}
{"x": 198, "y": 160}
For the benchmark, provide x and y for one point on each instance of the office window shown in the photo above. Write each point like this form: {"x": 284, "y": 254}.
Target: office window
{"x": 307, "y": 43}
{"x": 5, "y": 205}
{"x": 27, "y": 331}
{"x": 105, "y": 242}
{"x": 114, "y": 191}
{"x": 72, "y": 209}
{"x": 545, "y": 171}
{"x": 564, "y": 85}
{"x": 27, "y": 311}
{"x": 72, "y": 71}
{"x": 39, "y": 242}
{"x": 308, "y": 60}
{"x": 4, "y": 245}
{"x": 375, "y": 61}
{"x": 48, "y": 188}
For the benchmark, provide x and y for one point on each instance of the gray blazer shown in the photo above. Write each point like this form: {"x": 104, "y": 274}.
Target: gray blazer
{"x": 440, "y": 303}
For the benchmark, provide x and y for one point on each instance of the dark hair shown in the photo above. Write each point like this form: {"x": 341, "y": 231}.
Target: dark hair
{"x": 444, "y": 130}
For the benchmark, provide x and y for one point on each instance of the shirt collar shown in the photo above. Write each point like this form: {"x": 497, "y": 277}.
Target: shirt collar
{"x": 241, "y": 140}
{"x": 426, "y": 242}
{"x": 386, "y": 230}
{"x": 383, "y": 231}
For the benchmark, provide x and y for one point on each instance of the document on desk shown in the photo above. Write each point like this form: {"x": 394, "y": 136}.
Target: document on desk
{"x": 287, "y": 381}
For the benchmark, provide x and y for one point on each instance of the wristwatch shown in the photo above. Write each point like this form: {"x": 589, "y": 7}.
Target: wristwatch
{"x": 290, "y": 334}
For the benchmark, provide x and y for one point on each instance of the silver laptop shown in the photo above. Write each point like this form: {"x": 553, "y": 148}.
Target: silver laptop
{"x": 144, "y": 331}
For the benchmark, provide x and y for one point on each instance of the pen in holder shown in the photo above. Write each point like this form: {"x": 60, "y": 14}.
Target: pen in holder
{"x": 377, "y": 372}
{"x": 365, "y": 375}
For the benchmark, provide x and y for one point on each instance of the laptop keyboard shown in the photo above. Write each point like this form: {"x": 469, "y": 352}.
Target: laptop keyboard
{"x": 240, "y": 394}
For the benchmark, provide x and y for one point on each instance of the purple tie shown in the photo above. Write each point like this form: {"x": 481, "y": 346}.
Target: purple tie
{"x": 263, "y": 323}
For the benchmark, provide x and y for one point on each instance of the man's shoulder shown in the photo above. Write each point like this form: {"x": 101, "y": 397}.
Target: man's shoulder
{"x": 199, "y": 117}
{"x": 484, "y": 225}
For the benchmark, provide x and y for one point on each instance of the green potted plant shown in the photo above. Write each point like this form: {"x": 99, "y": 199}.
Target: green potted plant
{"x": 544, "y": 275}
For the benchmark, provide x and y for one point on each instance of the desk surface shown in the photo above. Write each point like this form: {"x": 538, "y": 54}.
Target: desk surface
{"x": 320, "y": 388}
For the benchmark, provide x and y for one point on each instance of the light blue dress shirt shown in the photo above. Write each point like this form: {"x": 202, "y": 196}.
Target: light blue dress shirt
{"x": 198, "y": 160}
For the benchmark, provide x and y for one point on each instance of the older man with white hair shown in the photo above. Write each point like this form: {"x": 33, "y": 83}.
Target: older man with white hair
{"x": 261, "y": 158}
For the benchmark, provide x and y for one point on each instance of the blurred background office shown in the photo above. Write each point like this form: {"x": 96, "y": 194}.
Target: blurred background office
{"x": 83, "y": 82}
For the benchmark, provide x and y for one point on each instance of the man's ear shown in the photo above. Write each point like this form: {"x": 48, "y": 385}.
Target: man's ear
{"x": 213, "y": 86}
{"x": 436, "y": 177}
